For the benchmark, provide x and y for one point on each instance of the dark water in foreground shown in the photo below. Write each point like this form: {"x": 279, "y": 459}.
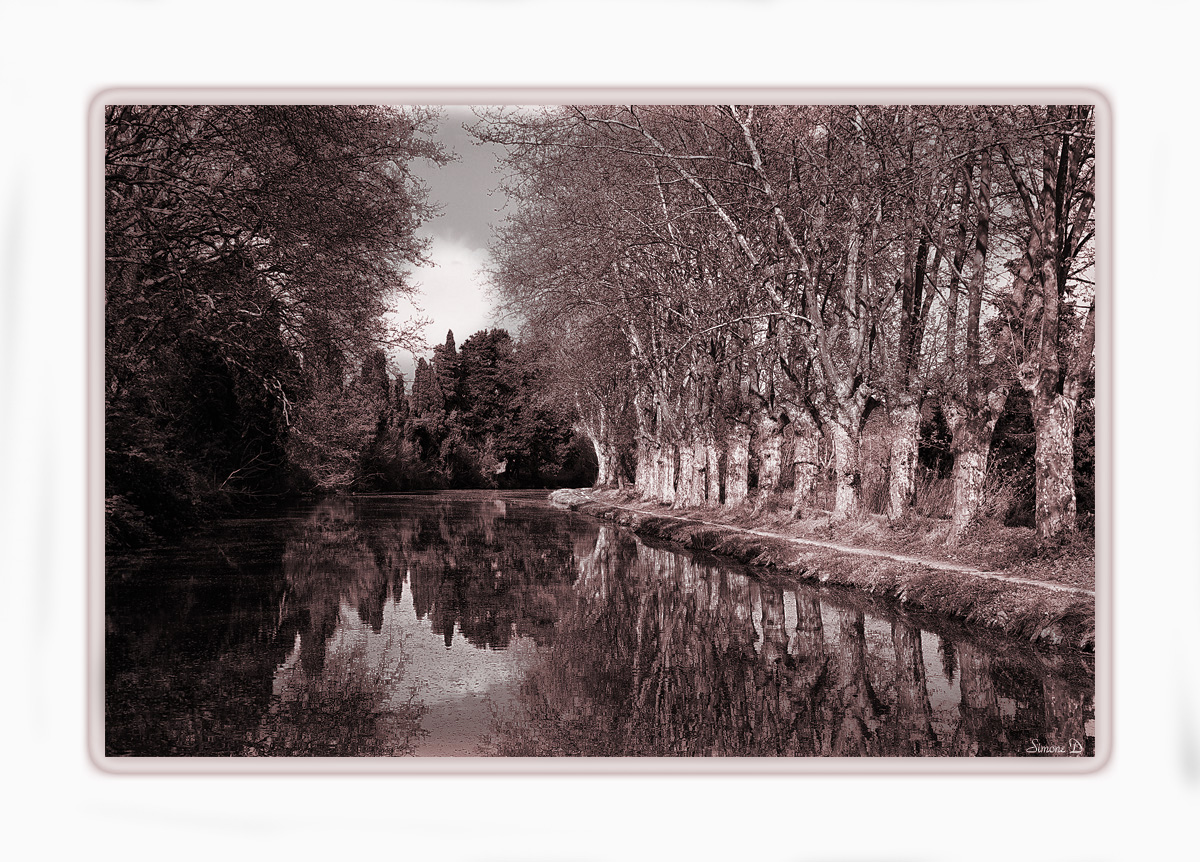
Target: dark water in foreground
{"x": 475, "y": 623}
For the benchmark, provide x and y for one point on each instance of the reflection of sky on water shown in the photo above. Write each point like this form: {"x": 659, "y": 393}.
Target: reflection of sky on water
{"x": 456, "y": 683}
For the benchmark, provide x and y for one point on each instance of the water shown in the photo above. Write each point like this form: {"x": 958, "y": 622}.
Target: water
{"x": 481, "y": 623}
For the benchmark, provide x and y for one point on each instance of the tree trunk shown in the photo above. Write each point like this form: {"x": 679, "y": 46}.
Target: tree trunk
{"x": 666, "y": 472}
{"x": 714, "y": 470}
{"x": 904, "y": 436}
{"x": 700, "y": 470}
{"x": 804, "y": 458}
{"x": 643, "y": 479}
{"x": 737, "y": 471}
{"x": 970, "y": 469}
{"x": 847, "y": 503}
{"x": 603, "y": 470}
{"x": 693, "y": 474}
{"x": 970, "y": 441}
{"x": 1040, "y": 293}
{"x": 973, "y": 419}
{"x": 653, "y": 472}
{"x": 685, "y": 486}
{"x": 1054, "y": 465}
{"x": 769, "y": 460}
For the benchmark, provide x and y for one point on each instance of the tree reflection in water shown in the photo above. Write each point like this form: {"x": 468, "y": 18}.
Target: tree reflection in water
{"x": 289, "y": 637}
{"x": 342, "y": 691}
{"x": 471, "y": 570}
{"x": 666, "y": 654}
{"x": 490, "y": 574}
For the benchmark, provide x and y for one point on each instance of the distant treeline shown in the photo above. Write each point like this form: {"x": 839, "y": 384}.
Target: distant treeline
{"x": 482, "y": 416}
{"x": 252, "y": 255}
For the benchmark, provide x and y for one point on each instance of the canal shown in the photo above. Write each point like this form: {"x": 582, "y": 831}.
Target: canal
{"x": 491, "y": 623}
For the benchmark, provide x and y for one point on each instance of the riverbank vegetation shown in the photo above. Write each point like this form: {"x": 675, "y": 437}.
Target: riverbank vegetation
{"x": 999, "y": 578}
{"x": 253, "y": 258}
{"x": 830, "y": 309}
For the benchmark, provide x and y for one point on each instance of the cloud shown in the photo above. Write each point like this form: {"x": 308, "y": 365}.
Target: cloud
{"x": 452, "y": 294}
{"x": 465, "y": 188}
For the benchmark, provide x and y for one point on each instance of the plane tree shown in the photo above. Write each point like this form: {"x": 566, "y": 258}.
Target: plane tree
{"x": 728, "y": 278}
{"x": 1049, "y": 323}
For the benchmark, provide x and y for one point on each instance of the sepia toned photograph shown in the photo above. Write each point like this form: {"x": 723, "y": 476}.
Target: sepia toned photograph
{"x": 641, "y": 434}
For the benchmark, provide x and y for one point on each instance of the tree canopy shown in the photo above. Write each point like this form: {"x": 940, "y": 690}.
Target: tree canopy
{"x": 250, "y": 254}
{"x": 762, "y": 278}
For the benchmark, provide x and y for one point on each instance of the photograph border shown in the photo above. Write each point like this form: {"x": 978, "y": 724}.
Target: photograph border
{"x": 94, "y": 460}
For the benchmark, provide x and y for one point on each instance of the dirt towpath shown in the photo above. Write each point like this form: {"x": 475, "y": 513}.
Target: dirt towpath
{"x": 926, "y": 562}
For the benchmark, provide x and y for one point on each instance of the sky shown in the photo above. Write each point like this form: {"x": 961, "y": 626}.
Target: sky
{"x": 452, "y": 291}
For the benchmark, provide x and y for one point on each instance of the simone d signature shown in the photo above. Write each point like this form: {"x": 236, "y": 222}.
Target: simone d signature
{"x": 1073, "y": 746}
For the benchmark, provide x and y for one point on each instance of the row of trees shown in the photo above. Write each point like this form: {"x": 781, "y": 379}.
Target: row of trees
{"x": 729, "y": 284}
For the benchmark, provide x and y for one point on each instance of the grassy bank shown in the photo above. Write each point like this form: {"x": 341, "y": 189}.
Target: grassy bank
{"x": 998, "y": 578}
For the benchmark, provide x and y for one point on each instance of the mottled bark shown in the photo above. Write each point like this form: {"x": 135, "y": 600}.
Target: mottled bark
{"x": 805, "y": 441}
{"x": 737, "y": 470}
{"x": 847, "y": 503}
{"x": 602, "y": 463}
{"x": 700, "y": 469}
{"x": 770, "y": 442}
{"x": 1054, "y": 465}
{"x": 903, "y": 438}
{"x": 596, "y": 428}
{"x": 970, "y": 441}
{"x": 645, "y": 470}
{"x": 654, "y": 487}
{"x": 685, "y": 493}
{"x": 714, "y": 470}
{"x": 970, "y": 470}
{"x": 643, "y": 478}
{"x": 666, "y": 472}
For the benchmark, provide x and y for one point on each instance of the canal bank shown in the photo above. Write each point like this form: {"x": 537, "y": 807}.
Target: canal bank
{"x": 1001, "y": 581}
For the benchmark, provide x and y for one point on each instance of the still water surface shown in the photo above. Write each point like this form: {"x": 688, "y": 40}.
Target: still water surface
{"x": 473, "y": 623}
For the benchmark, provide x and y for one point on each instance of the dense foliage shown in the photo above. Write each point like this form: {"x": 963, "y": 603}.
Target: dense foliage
{"x": 479, "y": 416}
{"x": 252, "y": 254}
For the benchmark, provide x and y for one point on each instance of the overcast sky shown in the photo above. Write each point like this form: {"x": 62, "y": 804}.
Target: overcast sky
{"x": 452, "y": 291}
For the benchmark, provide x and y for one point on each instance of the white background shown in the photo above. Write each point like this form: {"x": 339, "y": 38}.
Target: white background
{"x": 54, "y": 56}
